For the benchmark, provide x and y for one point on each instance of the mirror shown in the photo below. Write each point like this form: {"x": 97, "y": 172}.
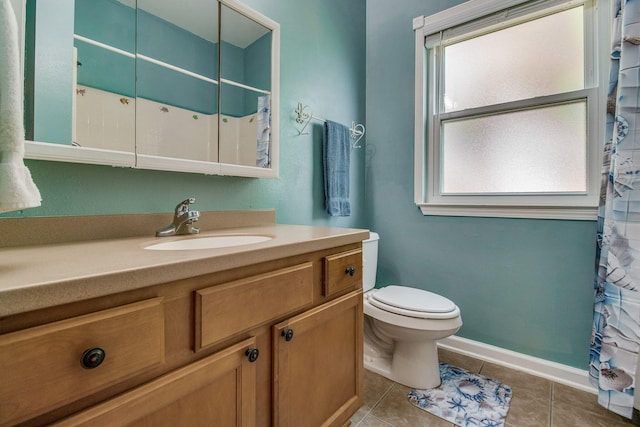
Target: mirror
{"x": 245, "y": 90}
{"x": 104, "y": 40}
{"x": 177, "y": 82}
{"x": 186, "y": 86}
{"x": 80, "y": 74}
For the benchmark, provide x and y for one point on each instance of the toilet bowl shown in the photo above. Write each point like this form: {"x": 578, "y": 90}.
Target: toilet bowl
{"x": 402, "y": 326}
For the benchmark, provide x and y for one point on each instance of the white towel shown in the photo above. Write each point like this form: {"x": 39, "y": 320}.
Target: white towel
{"x": 17, "y": 190}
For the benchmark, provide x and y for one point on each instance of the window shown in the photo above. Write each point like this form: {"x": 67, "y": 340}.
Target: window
{"x": 510, "y": 108}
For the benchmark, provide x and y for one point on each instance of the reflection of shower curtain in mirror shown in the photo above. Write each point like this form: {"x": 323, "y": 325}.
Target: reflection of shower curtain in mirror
{"x": 263, "y": 159}
{"x": 616, "y": 324}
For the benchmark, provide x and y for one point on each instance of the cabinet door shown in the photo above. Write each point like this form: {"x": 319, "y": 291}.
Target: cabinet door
{"x": 318, "y": 364}
{"x": 219, "y": 390}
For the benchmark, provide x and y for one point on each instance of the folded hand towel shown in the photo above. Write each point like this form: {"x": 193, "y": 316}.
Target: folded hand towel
{"x": 336, "y": 155}
{"x": 263, "y": 158}
{"x": 17, "y": 190}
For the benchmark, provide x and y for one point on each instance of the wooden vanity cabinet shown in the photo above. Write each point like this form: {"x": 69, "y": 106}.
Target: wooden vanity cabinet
{"x": 222, "y": 355}
{"x": 318, "y": 364}
{"x": 317, "y": 360}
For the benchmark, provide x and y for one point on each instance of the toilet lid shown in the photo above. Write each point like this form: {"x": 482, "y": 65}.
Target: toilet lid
{"x": 406, "y": 299}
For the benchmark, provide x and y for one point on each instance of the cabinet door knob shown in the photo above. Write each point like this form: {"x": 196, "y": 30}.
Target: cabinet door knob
{"x": 350, "y": 270}
{"x": 92, "y": 358}
{"x": 252, "y": 354}
{"x": 287, "y": 334}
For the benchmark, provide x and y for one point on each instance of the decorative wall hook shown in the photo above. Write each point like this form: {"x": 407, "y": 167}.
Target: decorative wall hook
{"x": 357, "y": 132}
{"x": 304, "y": 117}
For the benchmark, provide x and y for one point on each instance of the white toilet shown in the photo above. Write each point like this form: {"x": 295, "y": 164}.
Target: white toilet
{"x": 402, "y": 325}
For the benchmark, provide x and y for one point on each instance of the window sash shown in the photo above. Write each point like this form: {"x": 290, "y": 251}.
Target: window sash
{"x": 485, "y": 18}
{"x": 435, "y": 195}
{"x": 440, "y": 29}
{"x": 510, "y": 74}
{"x": 558, "y": 169}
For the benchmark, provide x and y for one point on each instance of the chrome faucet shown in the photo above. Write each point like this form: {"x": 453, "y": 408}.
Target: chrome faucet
{"x": 183, "y": 220}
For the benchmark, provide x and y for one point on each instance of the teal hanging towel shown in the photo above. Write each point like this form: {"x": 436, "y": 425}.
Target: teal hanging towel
{"x": 336, "y": 155}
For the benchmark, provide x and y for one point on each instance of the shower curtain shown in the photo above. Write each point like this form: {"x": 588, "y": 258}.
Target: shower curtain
{"x": 616, "y": 321}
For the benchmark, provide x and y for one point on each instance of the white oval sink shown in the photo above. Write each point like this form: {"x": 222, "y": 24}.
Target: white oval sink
{"x": 211, "y": 242}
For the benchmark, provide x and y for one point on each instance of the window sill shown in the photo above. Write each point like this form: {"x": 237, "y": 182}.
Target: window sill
{"x": 580, "y": 213}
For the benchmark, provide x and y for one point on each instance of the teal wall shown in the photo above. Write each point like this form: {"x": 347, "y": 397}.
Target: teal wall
{"x": 524, "y": 285}
{"x": 322, "y": 64}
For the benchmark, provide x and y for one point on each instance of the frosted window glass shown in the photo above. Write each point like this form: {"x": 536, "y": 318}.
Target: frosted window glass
{"x": 536, "y": 58}
{"x": 540, "y": 150}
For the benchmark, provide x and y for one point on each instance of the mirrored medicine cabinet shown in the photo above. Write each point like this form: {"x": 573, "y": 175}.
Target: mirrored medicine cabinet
{"x": 189, "y": 86}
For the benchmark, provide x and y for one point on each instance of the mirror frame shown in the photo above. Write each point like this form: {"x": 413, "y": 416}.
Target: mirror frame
{"x": 36, "y": 150}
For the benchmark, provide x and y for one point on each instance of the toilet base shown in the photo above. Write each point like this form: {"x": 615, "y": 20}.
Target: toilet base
{"x": 413, "y": 364}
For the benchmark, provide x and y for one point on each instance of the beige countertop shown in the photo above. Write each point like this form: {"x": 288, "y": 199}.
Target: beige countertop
{"x": 45, "y": 275}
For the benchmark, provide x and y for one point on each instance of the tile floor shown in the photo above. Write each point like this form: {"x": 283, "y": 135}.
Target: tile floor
{"x": 536, "y": 402}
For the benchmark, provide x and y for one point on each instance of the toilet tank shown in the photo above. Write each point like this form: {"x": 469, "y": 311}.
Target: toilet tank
{"x": 370, "y": 261}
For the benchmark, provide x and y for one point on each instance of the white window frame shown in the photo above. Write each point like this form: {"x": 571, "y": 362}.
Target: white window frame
{"x": 576, "y": 206}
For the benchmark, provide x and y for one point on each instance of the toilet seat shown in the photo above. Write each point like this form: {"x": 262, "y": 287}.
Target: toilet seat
{"x": 413, "y": 302}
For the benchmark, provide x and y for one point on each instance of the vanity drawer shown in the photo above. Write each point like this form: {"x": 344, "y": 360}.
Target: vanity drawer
{"x": 342, "y": 271}
{"x": 235, "y": 307}
{"x": 42, "y": 367}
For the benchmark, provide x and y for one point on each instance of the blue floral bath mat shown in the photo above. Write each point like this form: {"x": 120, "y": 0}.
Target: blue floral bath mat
{"x": 465, "y": 399}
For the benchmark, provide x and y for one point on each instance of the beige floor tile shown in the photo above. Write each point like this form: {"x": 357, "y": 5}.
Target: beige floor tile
{"x": 361, "y": 414}
{"x": 375, "y": 386}
{"x": 528, "y": 412}
{"x": 531, "y": 398}
{"x": 471, "y": 364}
{"x": 579, "y": 399}
{"x": 396, "y": 410}
{"x": 574, "y": 397}
{"x": 524, "y": 386}
{"x": 566, "y": 415}
{"x": 372, "y": 421}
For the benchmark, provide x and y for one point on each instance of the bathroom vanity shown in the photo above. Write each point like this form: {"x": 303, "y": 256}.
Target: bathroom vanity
{"x": 107, "y": 332}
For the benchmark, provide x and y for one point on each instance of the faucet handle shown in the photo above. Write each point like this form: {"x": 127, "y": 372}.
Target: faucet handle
{"x": 183, "y": 206}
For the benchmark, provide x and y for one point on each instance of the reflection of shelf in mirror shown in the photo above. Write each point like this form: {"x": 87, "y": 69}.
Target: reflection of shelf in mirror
{"x": 232, "y": 83}
{"x": 178, "y": 69}
{"x": 103, "y": 46}
{"x": 148, "y": 59}
{"x": 166, "y": 65}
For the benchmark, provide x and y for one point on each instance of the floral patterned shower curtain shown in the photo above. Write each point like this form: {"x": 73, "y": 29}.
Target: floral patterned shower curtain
{"x": 616, "y": 322}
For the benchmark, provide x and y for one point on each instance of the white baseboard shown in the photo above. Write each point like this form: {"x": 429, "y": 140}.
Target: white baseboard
{"x": 557, "y": 372}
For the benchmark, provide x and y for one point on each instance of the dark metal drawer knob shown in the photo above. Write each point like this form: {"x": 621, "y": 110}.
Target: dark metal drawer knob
{"x": 92, "y": 358}
{"x": 287, "y": 334}
{"x": 252, "y": 354}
